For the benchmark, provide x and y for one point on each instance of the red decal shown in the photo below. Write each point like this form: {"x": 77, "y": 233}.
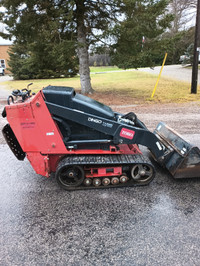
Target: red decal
{"x": 28, "y": 125}
{"x": 127, "y": 133}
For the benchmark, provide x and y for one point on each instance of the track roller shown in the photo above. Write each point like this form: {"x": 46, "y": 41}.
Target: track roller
{"x": 123, "y": 179}
{"x": 142, "y": 173}
{"x": 115, "y": 181}
{"x": 69, "y": 176}
{"x": 106, "y": 181}
{"x": 97, "y": 182}
{"x": 87, "y": 182}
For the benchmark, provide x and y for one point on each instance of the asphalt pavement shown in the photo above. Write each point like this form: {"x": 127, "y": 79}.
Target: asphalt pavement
{"x": 178, "y": 72}
{"x": 41, "y": 224}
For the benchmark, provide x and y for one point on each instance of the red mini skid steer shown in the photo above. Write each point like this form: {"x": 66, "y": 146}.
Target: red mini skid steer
{"x": 88, "y": 145}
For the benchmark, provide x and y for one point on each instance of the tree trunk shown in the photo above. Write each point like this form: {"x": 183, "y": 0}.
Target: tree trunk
{"x": 83, "y": 56}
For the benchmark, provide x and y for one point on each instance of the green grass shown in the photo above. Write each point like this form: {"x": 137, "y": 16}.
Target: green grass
{"x": 103, "y": 69}
{"x": 121, "y": 87}
{"x": 190, "y": 67}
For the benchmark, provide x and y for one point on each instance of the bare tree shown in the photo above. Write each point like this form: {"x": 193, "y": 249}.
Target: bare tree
{"x": 183, "y": 11}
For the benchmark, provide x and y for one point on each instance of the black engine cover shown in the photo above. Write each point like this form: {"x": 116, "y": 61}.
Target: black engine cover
{"x": 67, "y": 97}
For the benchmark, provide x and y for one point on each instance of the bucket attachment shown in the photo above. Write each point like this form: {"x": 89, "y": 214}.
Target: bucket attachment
{"x": 181, "y": 158}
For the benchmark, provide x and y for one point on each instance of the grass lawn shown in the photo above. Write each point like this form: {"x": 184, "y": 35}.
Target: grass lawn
{"x": 129, "y": 87}
{"x": 103, "y": 69}
{"x": 191, "y": 66}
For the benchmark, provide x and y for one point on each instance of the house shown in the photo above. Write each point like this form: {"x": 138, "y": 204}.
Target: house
{"x": 4, "y": 56}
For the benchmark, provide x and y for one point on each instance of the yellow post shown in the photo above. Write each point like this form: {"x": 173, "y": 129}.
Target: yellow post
{"x": 154, "y": 90}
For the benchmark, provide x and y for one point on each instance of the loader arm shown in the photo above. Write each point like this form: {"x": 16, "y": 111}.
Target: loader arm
{"x": 121, "y": 133}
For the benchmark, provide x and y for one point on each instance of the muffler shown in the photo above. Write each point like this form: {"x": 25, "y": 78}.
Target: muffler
{"x": 181, "y": 158}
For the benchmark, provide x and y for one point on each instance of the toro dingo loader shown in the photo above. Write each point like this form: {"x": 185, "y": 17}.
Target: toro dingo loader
{"x": 87, "y": 145}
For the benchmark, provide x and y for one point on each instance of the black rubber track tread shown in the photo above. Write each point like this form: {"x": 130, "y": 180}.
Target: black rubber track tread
{"x": 103, "y": 160}
{"x": 13, "y": 142}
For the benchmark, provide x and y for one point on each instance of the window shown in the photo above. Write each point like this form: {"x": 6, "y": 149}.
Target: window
{"x": 3, "y": 64}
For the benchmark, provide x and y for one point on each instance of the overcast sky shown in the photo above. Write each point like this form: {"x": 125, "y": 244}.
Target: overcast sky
{"x": 4, "y": 42}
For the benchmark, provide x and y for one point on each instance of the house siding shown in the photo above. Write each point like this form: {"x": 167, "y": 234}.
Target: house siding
{"x": 4, "y": 55}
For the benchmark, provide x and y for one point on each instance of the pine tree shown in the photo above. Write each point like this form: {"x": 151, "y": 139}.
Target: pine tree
{"x": 82, "y": 21}
{"x": 42, "y": 47}
{"x": 138, "y": 34}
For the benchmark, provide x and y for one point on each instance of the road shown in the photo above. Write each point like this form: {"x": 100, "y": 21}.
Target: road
{"x": 177, "y": 72}
{"x": 158, "y": 224}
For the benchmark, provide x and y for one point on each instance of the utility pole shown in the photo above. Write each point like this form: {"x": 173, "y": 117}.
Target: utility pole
{"x": 196, "y": 51}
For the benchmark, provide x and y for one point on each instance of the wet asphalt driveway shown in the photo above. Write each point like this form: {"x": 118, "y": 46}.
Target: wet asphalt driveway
{"x": 40, "y": 224}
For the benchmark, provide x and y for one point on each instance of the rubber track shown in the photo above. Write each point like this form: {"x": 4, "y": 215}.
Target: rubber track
{"x": 105, "y": 159}
{"x": 101, "y": 160}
